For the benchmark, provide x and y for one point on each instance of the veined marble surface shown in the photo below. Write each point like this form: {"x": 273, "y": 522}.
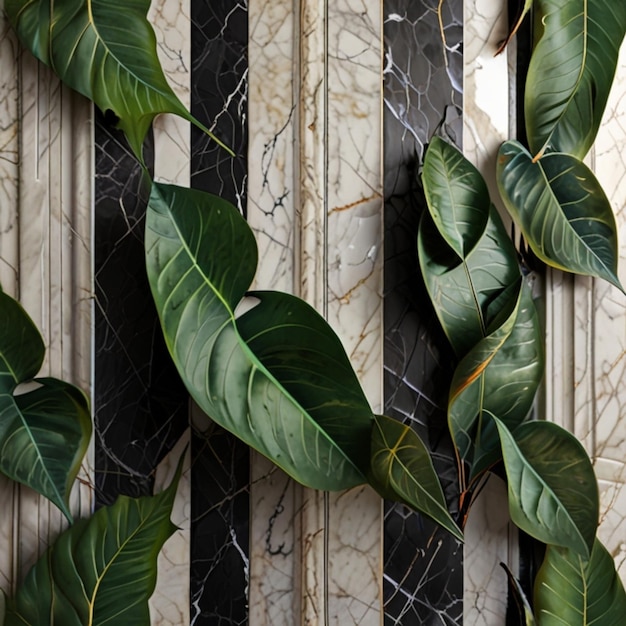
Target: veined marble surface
{"x": 490, "y": 538}
{"x": 315, "y": 205}
{"x": 45, "y": 196}
{"x": 169, "y": 605}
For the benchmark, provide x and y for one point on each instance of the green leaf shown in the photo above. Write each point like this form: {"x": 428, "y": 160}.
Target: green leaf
{"x": 571, "y": 591}
{"x": 457, "y": 196}
{"x": 463, "y": 291}
{"x": 562, "y": 211}
{"x": 553, "y": 493}
{"x": 44, "y": 433}
{"x": 570, "y": 73}
{"x": 105, "y": 50}
{"x": 277, "y": 377}
{"x": 500, "y": 377}
{"x": 524, "y": 615}
{"x": 402, "y": 470}
{"x": 100, "y": 571}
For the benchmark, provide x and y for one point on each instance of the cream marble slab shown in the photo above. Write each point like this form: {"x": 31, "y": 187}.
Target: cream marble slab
{"x": 9, "y": 158}
{"x": 45, "y": 195}
{"x": 314, "y": 203}
{"x": 489, "y": 536}
{"x": 169, "y": 605}
{"x": 605, "y": 434}
{"x": 586, "y": 341}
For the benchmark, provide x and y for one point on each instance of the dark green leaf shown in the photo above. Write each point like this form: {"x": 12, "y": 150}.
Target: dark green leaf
{"x": 562, "y": 210}
{"x": 553, "y": 493}
{"x": 457, "y": 196}
{"x": 500, "y": 376}
{"x": 100, "y": 571}
{"x": 571, "y": 71}
{"x": 401, "y": 467}
{"x": 463, "y": 291}
{"x": 44, "y": 433}
{"x": 277, "y": 377}
{"x": 105, "y": 50}
{"x": 571, "y": 591}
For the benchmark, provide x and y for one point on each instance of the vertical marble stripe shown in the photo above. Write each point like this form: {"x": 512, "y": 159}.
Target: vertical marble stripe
{"x": 220, "y": 463}
{"x": 54, "y": 283}
{"x": 586, "y": 335}
{"x": 490, "y": 538}
{"x": 315, "y": 86}
{"x": 45, "y": 197}
{"x": 340, "y": 238}
{"x": 170, "y": 603}
{"x": 9, "y": 245}
{"x": 271, "y": 210}
{"x": 423, "y": 73}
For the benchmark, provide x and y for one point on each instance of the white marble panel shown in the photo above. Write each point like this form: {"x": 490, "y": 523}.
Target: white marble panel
{"x": 272, "y": 192}
{"x": 314, "y": 202}
{"x": 605, "y": 434}
{"x": 9, "y": 158}
{"x": 169, "y": 605}
{"x": 489, "y": 536}
{"x": 45, "y": 215}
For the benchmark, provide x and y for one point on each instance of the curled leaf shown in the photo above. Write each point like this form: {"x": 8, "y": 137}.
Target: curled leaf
{"x": 278, "y": 376}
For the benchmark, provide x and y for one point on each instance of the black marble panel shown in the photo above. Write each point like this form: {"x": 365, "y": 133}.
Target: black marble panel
{"x": 140, "y": 405}
{"x": 423, "y": 571}
{"x": 221, "y": 463}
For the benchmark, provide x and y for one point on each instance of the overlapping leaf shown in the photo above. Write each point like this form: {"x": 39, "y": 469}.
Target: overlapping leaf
{"x": 553, "y": 493}
{"x": 457, "y": 196}
{"x": 278, "y": 376}
{"x": 402, "y": 470}
{"x": 100, "y": 571}
{"x": 573, "y": 591}
{"x": 570, "y": 73}
{"x": 520, "y": 15}
{"x": 466, "y": 256}
{"x": 499, "y": 376}
{"x": 562, "y": 211}
{"x": 43, "y": 433}
{"x": 105, "y": 50}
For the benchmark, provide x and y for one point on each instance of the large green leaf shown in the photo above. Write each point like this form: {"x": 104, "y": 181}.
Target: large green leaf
{"x": 499, "y": 376}
{"x": 571, "y": 71}
{"x": 573, "y": 591}
{"x": 464, "y": 291}
{"x": 105, "y": 50}
{"x": 553, "y": 493}
{"x": 44, "y": 433}
{"x": 457, "y": 196}
{"x": 402, "y": 470}
{"x": 278, "y": 376}
{"x": 100, "y": 571}
{"x": 562, "y": 210}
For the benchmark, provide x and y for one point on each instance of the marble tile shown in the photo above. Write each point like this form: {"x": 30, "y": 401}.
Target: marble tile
{"x": 170, "y": 605}
{"x": 271, "y": 212}
{"x": 606, "y": 434}
{"x": 586, "y": 341}
{"x": 9, "y": 247}
{"x": 488, "y": 115}
{"x": 423, "y": 72}
{"x": 44, "y": 261}
{"x": 314, "y": 203}
{"x": 220, "y": 502}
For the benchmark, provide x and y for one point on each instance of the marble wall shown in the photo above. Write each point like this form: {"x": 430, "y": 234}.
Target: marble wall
{"x": 328, "y": 107}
